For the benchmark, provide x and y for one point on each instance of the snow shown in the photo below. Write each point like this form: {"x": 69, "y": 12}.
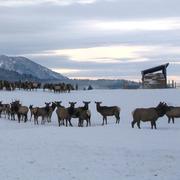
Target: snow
{"x": 111, "y": 152}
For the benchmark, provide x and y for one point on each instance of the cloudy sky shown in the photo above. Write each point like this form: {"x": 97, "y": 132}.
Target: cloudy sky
{"x": 93, "y": 38}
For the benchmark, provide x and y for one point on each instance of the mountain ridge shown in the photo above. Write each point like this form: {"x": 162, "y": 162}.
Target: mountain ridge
{"x": 23, "y": 65}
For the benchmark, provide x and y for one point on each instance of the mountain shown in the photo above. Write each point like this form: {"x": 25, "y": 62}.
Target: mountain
{"x": 15, "y": 76}
{"x": 23, "y": 65}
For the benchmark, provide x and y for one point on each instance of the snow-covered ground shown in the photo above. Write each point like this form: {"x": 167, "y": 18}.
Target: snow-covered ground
{"x": 112, "y": 152}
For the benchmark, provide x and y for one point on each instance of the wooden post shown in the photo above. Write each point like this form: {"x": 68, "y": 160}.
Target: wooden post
{"x": 142, "y": 80}
{"x": 165, "y": 75}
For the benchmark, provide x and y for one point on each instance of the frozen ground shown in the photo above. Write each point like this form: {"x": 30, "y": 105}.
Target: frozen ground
{"x": 112, "y": 152}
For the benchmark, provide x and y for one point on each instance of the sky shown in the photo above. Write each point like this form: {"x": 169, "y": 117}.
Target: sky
{"x": 112, "y": 39}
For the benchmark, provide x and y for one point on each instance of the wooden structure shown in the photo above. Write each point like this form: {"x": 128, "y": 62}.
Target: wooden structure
{"x": 155, "y": 77}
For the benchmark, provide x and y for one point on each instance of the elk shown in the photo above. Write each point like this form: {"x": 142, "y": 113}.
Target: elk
{"x": 149, "y": 114}
{"x": 174, "y": 112}
{"x": 8, "y": 111}
{"x": 57, "y": 88}
{"x": 108, "y": 111}
{"x": 75, "y": 112}
{"x": 33, "y": 111}
{"x": 85, "y": 114}
{"x": 21, "y": 111}
{"x": 62, "y": 114}
{"x": 42, "y": 112}
{"x": 3, "y": 108}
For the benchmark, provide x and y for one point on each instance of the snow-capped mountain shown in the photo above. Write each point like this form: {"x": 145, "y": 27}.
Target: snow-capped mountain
{"x": 23, "y": 65}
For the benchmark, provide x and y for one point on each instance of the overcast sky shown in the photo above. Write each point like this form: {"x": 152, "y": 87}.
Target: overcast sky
{"x": 93, "y": 38}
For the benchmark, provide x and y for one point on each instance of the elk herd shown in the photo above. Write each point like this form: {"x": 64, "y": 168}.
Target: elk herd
{"x": 30, "y": 86}
{"x": 15, "y": 110}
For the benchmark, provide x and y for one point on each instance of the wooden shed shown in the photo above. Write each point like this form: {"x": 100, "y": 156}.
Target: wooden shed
{"x": 155, "y": 77}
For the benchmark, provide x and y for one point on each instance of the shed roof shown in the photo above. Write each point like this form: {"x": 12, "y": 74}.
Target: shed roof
{"x": 155, "y": 69}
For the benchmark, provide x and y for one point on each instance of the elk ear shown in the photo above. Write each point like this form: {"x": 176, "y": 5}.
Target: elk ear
{"x": 89, "y": 102}
{"x": 75, "y": 102}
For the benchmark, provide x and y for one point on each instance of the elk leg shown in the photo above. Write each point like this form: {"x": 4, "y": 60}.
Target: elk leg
{"x": 152, "y": 124}
{"x": 42, "y": 120}
{"x": 25, "y": 120}
{"x": 138, "y": 124}
{"x": 119, "y": 120}
{"x": 89, "y": 122}
{"x": 103, "y": 122}
{"x": 106, "y": 120}
{"x": 155, "y": 124}
{"x": 59, "y": 121}
{"x": 169, "y": 119}
{"x": 132, "y": 123}
{"x": 19, "y": 118}
{"x": 79, "y": 123}
{"x": 70, "y": 123}
{"x": 173, "y": 120}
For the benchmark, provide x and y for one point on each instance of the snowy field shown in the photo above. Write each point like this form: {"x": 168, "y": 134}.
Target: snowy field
{"x": 112, "y": 152}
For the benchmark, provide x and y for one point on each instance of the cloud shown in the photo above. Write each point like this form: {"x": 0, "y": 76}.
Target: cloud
{"x": 35, "y": 2}
{"x": 162, "y": 24}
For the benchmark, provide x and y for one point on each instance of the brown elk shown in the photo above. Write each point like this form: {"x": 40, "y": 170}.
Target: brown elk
{"x": 149, "y": 114}
{"x": 62, "y": 114}
{"x": 4, "y": 108}
{"x": 84, "y": 114}
{"x": 108, "y": 111}
{"x": 42, "y": 112}
{"x": 21, "y": 111}
{"x": 74, "y": 112}
{"x": 172, "y": 113}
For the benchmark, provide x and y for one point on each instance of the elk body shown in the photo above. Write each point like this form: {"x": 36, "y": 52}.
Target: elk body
{"x": 42, "y": 112}
{"x": 21, "y": 111}
{"x": 84, "y": 114}
{"x": 73, "y": 112}
{"x": 62, "y": 114}
{"x": 149, "y": 115}
{"x": 106, "y": 111}
{"x": 4, "y": 109}
{"x": 172, "y": 113}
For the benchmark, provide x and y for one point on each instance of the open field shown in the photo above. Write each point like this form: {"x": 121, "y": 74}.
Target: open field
{"x": 32, "y": 152}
